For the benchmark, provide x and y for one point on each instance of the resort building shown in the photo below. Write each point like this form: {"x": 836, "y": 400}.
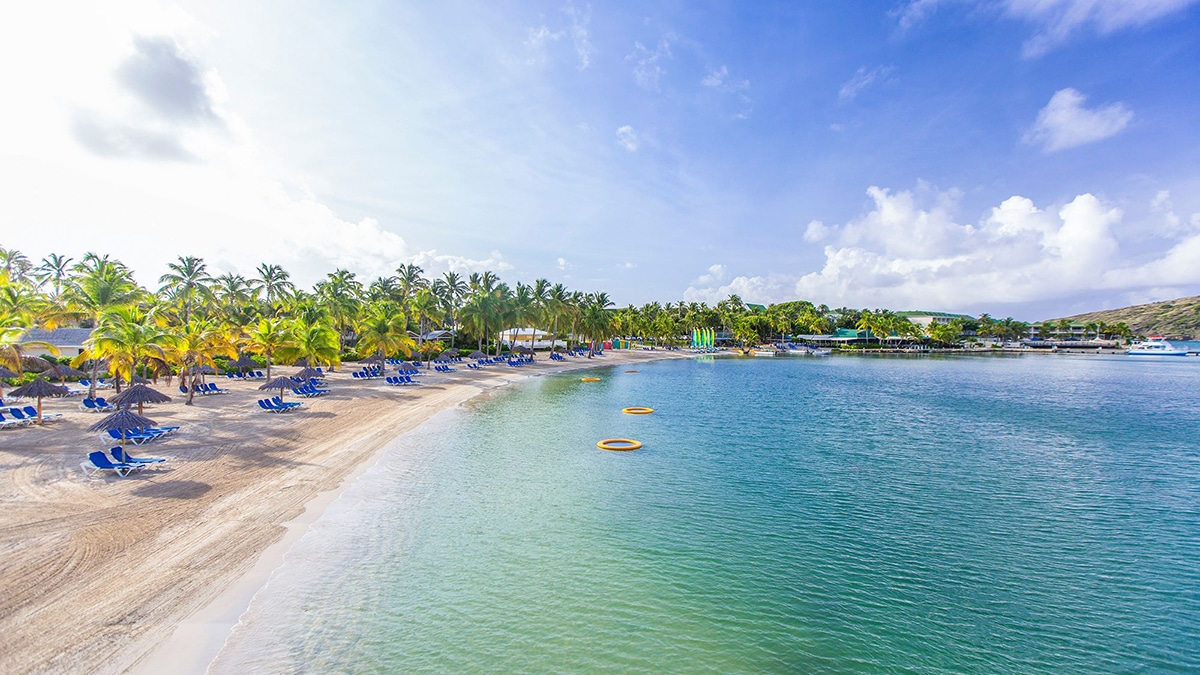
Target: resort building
{"x": 521, "y": 336}
{"x": 69, "y": 341}
{"x": 926, "y": 319}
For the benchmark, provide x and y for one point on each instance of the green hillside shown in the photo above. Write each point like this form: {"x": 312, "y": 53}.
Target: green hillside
{"x": 1179, "y": 318}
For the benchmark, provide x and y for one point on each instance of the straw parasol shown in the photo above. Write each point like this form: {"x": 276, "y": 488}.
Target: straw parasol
{"x": 5, "y": 374}
{"x": 61, "y": 372}
{"x": 38, "y": 389}
{"x": 307, "y": 373}
{"x": 374, "y": 358}
{"x": 203, "y": 370}
{"x": 282, "y": 382}
{"x": 478, "y": 355}
{"x": 244, "y": 361}
{"x": 522, "y": 349}
{"x": 123, "y": 420}
{"x": 35, "y": 363}
{"x": 139, "y": 394}
{"x": 453, "y": 351}
{"x": 303, "y": 362}
{"x": 136, "y": 379}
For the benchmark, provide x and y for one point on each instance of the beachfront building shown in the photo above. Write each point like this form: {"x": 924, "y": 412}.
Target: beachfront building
{"x": 521, "y": 336}
{"x": 1051, "y": 330}
{"x": 69, "y": 341}
{"x": 927, "y": 319}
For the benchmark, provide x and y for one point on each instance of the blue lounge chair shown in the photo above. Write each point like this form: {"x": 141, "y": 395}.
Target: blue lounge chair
{"x": 265, "y": 404}
{"x": 30, "y": 411}
{"x": 98, "y": 461}
{"x": 123, "y": 457}
{"x": 8, "y": 424}
{"x": 22, "y": 417}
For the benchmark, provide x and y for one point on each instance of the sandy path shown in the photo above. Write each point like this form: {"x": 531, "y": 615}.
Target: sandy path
{"x": 94, "y": 574}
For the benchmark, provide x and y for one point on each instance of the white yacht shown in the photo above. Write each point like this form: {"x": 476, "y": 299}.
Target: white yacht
{"x": 1154, "y": 345}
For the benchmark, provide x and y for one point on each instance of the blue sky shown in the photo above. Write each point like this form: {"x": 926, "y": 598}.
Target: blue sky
{"x": 1023, "y": 157}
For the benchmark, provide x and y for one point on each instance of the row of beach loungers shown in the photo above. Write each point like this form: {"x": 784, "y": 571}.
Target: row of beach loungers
{"x": 22, "y": 416}
{"x": 120, "y": 463}
{"x": 140, "y": 436}
{"x": 204, "y": 388}
{"x": 277, "y": 405}
{"x": 400, "y": 380}
{"x": 252, "y": 375}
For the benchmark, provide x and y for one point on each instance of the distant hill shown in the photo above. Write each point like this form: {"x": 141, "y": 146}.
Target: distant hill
{"x": 1178, "y": 318}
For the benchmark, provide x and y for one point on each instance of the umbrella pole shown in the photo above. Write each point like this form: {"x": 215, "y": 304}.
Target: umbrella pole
{"x": 39, "y": 410}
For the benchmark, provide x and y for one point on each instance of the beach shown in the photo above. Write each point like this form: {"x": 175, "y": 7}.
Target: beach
{"x": 138, "y": 574}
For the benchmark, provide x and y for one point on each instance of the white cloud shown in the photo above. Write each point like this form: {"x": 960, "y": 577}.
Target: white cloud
{"x": 719, "y": 79}
{"x": 1057, "y": 21}
{"x": 434, "y": 263}
{"x": 577, "y": 29}
{"x": 562, "y": 264}
{"x": 816, "y": 231}
{"x": 627, "y": 138}
{"x": 1066, "y": 123}
{"x": 106, "y": 124}
{"x": 908, "y": 251}
{"x": 647, "y": 63}
{"x": 862, "y": 79}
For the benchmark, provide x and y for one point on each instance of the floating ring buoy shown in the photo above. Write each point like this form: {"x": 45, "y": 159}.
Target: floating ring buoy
{"x": 589, "y": 379}
{"x": 637, "y": 410}
{"x": 620, "y": 444}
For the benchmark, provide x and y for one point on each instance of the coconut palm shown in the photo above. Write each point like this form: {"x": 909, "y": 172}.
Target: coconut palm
{"x": 126, "y": 337}
{"x": 317, "y": 343}
{"x": 273, "y": 284}
{"x": 342, "y": 295}
{"x": 54, "y": 270}
{"x": 384, "y": 333}
{"x": 186, "y": 284}
{"x": 15, "y": 263}
{"x": 98, "y": 286}
{"x": 425, "y": 305}
{"x": 196, "y": 345}
{"x": 267, "y": 337}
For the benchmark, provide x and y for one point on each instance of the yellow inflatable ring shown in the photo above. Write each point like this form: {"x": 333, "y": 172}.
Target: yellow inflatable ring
{"x": 637, "y": 410}
{"x": 589, "y": 379}
{"x": 620, "y": 444}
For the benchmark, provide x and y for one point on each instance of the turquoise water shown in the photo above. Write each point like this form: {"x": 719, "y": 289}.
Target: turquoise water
{"x": 1017, "y": 514}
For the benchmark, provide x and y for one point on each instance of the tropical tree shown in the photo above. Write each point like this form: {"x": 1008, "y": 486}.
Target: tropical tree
{"x": 127, "y": 337}
{"x": 54, "y": 270}
{"x": 317, "y": 343}
{"x": 267, "y": 337}
{"x": 384, "y": 333}
{"x": 186, "y": 284}
{"x": 272, "y": 283}
{"x": 196, "y": 345}
{"x": 98, "y": 286}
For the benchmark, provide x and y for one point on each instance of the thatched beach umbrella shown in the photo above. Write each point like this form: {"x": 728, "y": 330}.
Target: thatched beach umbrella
{"x": 5, "y": 374}
{"x": 139, "y": 394}
{"x": 123, "y": 420}
{"x": 307, "y": 373}
{"x": 61, "y": 372}
{"x": 303, "y": 362}
{"x": 279, "y": 383}
{"x": 136, "y": 379}
{"x": 374, "y": 358}
{"x": 244, "y": 361}
{"x": 453, "y": 351}
{"x": 478, "y": 355}
{"x": 34, "y": 363}
{"x": 522, "y": 349}
{"x": 38, "y": 389}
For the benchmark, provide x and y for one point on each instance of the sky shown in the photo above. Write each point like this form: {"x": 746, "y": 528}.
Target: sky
{"x": 1026, "y": 158}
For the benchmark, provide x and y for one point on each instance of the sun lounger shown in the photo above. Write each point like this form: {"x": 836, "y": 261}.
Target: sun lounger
{"x": 98, "y": 461}
{"x": 8, "y": 424}
{"x": 30, "y": 411}
{"x": 123, "y": 457}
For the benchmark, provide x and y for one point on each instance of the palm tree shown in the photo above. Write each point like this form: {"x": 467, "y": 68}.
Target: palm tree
{"x": 273, "y": 283}
{"x": 186, "y": 284}
{"x": 195, "y": 345}
{"x": 267, "y": 337}
{"x": 384, "y": 332}
{"x": 455, "y": 289}
{"x": 12, "y": 344}
{"x": 126, "y": 337}
{"x": 318, "y": 343}
{"x": 98, "y": 286}
{"x": 53, "y": 270}
{"x": 557, "y": 299}
{"x": 424, "y": 305}
{"x": 15, "y": 263}
{"x": 342, "y": 295}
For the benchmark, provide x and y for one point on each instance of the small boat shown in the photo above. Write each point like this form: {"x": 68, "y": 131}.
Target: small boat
{"x": 764, "y": 352}
{"x": 1155, "y": 345}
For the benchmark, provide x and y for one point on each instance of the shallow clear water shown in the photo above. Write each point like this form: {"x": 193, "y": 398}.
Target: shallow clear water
{"x": 841, "y": 515}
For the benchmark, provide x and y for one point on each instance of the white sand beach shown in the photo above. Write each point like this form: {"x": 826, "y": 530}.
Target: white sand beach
{"x": 150, "y": 572}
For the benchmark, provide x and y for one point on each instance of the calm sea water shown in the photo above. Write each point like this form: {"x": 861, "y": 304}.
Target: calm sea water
{"x": 1031, "y": 514}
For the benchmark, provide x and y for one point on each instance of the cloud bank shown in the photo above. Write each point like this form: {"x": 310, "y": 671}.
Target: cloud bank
{"x": 909, "y": 252}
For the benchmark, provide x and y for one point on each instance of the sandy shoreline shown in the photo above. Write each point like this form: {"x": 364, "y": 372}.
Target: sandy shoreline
{"x": 152, "y": 571}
